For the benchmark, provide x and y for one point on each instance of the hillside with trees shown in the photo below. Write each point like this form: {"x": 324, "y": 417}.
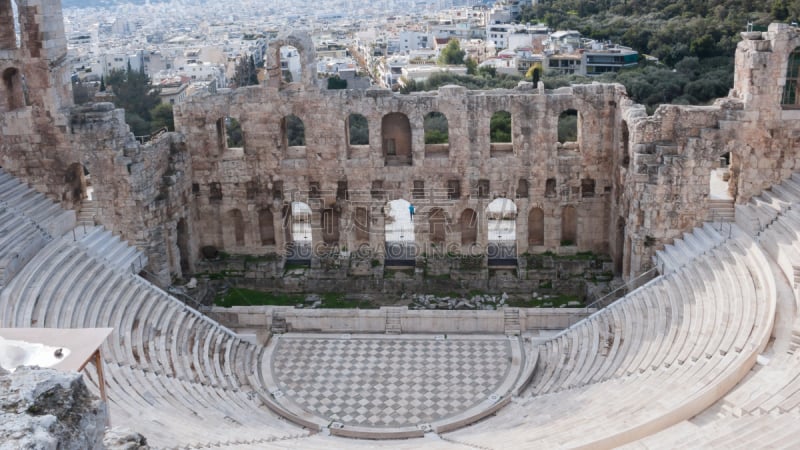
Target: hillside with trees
{"x": 694, "y": 41}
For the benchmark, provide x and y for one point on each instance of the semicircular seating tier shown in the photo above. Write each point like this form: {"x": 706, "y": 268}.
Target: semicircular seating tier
{"x": 660, "y": 355}
{"x": 763, "y": 410}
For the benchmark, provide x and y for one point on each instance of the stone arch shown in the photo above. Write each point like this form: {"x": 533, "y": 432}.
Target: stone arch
{"x": 293, "y": 131}
{"x": 298, "y": 233}
{"x": 501, "y": 231}
{"x": 569, "y": 225}
{"x": 568, "y": 126}
{"x": 625, "y": 158}
{"x": 523, "y": 187}
{"x": 468, "y": 225}
{"x": 9, "y": 25}
{"x": 235, "y": 226}
{"x": 76, "y": 185}
{"x": 234, "y": 134}
{"x": 396, "y": 139}
{"x": 791, "y": 88}
{"x": 266, "y": 227}
{"x": 302, "y": 42}
{"x": 722, "y": 185}
{"x": 536, "y": 226}
{"x": 182, "y": 241}
{"x": 437, "y": 134}
{"x": 361, "y": 224}
{"x": 357, "y": 129}
{"x": 620, "y": 246}
{"x": 400, "y": 246}
{"x": 437, "y": 226}
{"x": 13, "y": 92}
{"x": 330, "y": 226}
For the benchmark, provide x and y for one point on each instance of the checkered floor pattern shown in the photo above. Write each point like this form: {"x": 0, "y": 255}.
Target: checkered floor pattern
{"x": 389, "y": 382}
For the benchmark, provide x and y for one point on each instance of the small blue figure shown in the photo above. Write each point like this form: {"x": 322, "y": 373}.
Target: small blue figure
{"x": 411, "y": 211}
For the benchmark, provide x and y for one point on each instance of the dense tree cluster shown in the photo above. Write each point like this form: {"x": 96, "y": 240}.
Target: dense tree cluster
{"x": 144, "y": 112}
{"x": 667, "y": 29}
{"x": 246, "y": 72}
{"x": 486, "y": 78}
{"x": 452, "y": 53}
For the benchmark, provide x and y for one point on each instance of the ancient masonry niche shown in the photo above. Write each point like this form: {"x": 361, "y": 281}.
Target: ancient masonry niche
{"x": 396, "y": 136}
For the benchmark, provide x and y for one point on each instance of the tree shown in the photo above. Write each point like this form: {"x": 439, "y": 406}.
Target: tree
{"x": 359, "y": 130}
{"x": 245, "y": 73}
{"x": 233, "y": 130}
{"x": 452, "y": 54}
{"x": 134, "y": 93}
{"x": 335, "y": 82}
{"x": 436, "y": 128}
{"x": 162, "y": 117}
{"x": 472, "y": 66}
{"x": 102, "y": 84}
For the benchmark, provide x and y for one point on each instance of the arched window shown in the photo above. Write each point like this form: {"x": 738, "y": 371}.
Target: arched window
{"x": 330, "y": 226}
{"x": 12, "y": 89}
{"x": 77, "y": 185}
{"x": 436, "y": 130}
{"x": 361, "y": 224}
{"x": 536, "y": 227}
{"x": 436, "y": 225}
{"x": 437, "y": 134}
{"x": 500, "y": 127}
{"x": 500, "y": 135}
{"x": 396, "y": 135}
{"x": 791, "y": 97}
{"x": 236, "y": 226}
{"x": 568, "y": 126}
{"x": 358, "y": 129}
{"x": 266, "y": 225}
{"x": 522, "y": 188}
{"x": 468, "y": 224}
{"x": 294, "y": 131}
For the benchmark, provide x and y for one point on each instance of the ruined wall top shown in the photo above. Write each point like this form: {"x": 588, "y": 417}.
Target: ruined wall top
{"x": 300, "y": 40}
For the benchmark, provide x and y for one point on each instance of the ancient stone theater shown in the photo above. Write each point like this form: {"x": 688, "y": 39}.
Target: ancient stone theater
{"x": 702, "y": 352}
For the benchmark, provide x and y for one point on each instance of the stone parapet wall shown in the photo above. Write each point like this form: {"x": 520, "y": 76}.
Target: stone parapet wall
{"x": 258, "y": 319}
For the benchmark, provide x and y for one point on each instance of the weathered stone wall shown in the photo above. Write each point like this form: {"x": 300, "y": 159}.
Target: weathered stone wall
{"x": 246, "y": 179}
{"x": 671, "y": 153}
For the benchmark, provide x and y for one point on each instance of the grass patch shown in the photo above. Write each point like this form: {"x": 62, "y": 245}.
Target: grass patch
{"x": 294, "y": 266}
{"x": 556, "y": 301}
{"x": 260, "y": 258}
{"x": 249, "y": 297}
{"x": 338, "y": 301}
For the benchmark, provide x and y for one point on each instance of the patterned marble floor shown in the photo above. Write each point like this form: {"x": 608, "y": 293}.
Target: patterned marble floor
{"x": 380, "y": 381}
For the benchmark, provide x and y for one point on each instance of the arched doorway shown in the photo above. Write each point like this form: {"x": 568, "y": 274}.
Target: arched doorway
{"x": 77, "y": 181}
{"x": 536, "y": 227}
{"x": 266, "y": 227}
{"x": 396, "y": 137}
{"x": 299, "y": 242}
{"x": 468, "y": 225}
{"x": 235, "y": 227}
{"x": 569, "y": 226}
{"x": 182, "y": 230}
{"x": 437, "y": 226}
{"x": 501, "y": 215}
{"x": 400, "y": 244}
